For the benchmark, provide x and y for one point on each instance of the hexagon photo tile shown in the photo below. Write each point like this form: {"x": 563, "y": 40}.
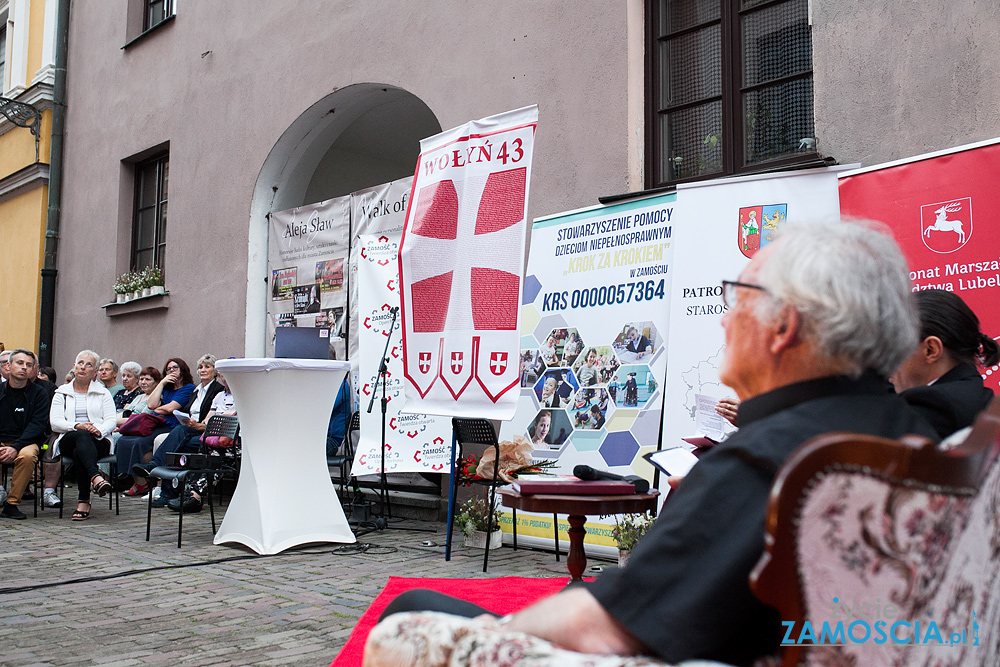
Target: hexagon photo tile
{"x": 549, "y": 430}
{"x": 619, "y": 449}
{"x": 595, "y": 366}
{"x": 590, "y": 408}
{"x": 637, "y": 342}
{"x": 636, "y": 386}
{"x": 556, "y": 388}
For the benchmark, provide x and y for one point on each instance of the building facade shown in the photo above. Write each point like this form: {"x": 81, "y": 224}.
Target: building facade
{"x": 27, "y": 52}
{"x": 189, "y": 122}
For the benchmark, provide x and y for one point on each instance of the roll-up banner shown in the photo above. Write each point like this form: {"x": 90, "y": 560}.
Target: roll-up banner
{"x": 414, "y": 442}
{"x": 460, "y": 264}
{"x": 592, "y": 354}
{"x": 730, "y": 220}
{"x": 307, "y": 257}
{"x": 943, "y": 210}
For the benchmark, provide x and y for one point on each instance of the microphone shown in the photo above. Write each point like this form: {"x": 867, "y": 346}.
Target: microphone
{"x": 394, "y": 310}
{"x": 587, "y": 473}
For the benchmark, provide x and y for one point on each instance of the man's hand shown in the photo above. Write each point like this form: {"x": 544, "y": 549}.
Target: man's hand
{"x": 575, "y": 620}
{"x": 7, "y": 454}
{"x": 728, "y": 408}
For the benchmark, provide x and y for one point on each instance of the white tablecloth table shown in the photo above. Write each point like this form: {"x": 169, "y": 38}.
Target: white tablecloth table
{"x": 284, "y": 496}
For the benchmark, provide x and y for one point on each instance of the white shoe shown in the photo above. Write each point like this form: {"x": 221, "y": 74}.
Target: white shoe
{"x": 3, "y": 494}
{"x": 51, "y": 499}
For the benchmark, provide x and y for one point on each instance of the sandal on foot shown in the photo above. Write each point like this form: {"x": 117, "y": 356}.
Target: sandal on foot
{"x": 100, "y": 485}
{"x": 80, "y": 515}
{"x": 137, "y": 490}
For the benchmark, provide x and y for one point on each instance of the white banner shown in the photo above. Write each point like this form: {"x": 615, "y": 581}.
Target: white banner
{"x": 593, "y": 347}
{"x": 735, "y": 217}
{"x": 414, "y": 442}
{"x": 461, "y": 262}
{"x": 307, "y": 254}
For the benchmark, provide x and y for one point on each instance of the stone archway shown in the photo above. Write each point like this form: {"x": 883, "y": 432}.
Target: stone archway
{"x": 357, "y": 137}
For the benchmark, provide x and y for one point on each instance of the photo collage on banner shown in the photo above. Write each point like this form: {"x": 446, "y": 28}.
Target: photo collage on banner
{"x": 307, "y": 258}
{"x": 943, "y": 211}
{"x": 736, "y": 217}
{"x": 461, "y": 259}
{"x": 415, "y": 442}
{"x": 594, "y": 325}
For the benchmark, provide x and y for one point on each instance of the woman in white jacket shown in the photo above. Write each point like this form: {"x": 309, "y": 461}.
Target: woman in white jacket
{"x": 83, "y": 414}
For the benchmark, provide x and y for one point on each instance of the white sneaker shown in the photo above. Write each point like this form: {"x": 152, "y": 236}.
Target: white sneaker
{"x": 51, "y": 499}
{"x": 3, "y": 494}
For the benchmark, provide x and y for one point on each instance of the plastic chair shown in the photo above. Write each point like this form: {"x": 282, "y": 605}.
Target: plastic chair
{"x": 474, "y": 431}
{"x": 345, "y": 459}
{"x": 34, "y": 482}
{"x": 218, "y": 425}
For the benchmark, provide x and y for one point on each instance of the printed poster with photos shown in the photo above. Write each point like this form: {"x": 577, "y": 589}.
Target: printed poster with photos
{"x": 594, "y": 322}
{"x": 307, "y": 253}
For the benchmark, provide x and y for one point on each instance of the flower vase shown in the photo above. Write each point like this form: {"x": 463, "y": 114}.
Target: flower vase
{"x": 120, "y": 298}
{"x": 136, "y": 294}
{"x": 478, "y": 539}
{"x": 145, "y": 291}
{"x": 623, "y": 557}
{"x": 156, "y": 289}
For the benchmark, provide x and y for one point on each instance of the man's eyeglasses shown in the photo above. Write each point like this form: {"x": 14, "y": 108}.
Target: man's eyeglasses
{"x": 730, "y": 295}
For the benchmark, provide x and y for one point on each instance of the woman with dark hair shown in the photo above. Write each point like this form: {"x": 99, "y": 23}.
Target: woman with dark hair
{"x": 169, "y": 394}
{"x": 940, "y": 378}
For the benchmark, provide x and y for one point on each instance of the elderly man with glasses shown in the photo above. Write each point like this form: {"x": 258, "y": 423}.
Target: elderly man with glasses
{"x": 816, "y": 322}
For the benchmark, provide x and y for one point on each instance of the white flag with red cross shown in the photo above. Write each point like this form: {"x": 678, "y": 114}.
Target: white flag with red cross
{"x": 461, "y": 265}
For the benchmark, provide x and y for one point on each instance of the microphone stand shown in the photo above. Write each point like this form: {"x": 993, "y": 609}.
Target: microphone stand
{"x": 385, "y": 508}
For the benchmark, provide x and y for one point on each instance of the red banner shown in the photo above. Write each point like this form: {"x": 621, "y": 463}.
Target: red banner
{"x": 945, "y": 214}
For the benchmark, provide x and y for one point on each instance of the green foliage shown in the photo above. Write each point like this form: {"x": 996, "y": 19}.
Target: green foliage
{"x": 472, "y": 516}
{"x": 630, "y": 528}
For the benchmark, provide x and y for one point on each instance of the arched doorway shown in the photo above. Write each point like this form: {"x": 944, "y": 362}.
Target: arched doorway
{"x": 357, "y": 137}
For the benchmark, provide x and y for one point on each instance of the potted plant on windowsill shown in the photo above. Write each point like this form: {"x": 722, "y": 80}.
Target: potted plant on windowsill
{"x": 472, "y": 519}
{"x": 155, "y": 279}
{"x": 123, "y": 285}
{"x": 627, "y": 532}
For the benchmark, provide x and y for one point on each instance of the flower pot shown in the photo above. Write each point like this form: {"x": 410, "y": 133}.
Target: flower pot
{"x": 478, "y": 539}
{"x": 136, "y": 294}
{"x": 120, "y": 298}
{"x": 145, "y": 291}
{"x": 156, "y": 289}
{"x": 623, "y": 557}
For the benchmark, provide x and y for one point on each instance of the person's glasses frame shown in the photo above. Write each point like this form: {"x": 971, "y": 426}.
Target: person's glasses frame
{"x": 730, "y": 295}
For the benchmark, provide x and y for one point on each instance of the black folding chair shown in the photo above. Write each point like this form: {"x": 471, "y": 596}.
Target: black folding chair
{"x": 474, "y": 431}
{"x": 345, "y": 458}
{"x": 218, "y": 425}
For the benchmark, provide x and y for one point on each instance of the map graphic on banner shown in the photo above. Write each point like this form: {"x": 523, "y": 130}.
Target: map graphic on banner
{"x": 460, "y": 263}
{"x": 593, "y": 341}
{"x": 414, "y": 442}
{"x": 307, "y": 249}
{"x": 735, "y": 218}
{"x": 944, "y": 212}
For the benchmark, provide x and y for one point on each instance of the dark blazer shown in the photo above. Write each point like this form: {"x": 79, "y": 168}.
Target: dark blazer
{"x": 953, "y": 401}
{"x": 206, "y": 405}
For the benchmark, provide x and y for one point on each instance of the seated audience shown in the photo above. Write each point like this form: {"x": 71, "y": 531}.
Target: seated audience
{"x": 83, "y": 414}
{"x": 130, "y": 385}
{"x": 24, "y": 419}
{"x": 47, "y": 373}
{"x": 170, "y": 393}
{"x": 818, "y": 320}
{"x": 107, "y": 373}
{"x": 940, "y": 379}
{"x": 148, "y": 378}
{"x": 4, "y": 365}
{"x": 186, "y": 435}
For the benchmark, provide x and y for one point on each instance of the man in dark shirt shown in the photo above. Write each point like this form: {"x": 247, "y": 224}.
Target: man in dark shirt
{"x": 24, "y": 417}
{"x": 817, "y": 321}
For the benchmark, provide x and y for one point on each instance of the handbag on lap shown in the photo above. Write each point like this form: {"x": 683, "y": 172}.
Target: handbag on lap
{"x": 142, "y": 424}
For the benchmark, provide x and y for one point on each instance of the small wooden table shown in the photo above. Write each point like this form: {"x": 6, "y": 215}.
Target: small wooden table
{"x": 578, "y": 508}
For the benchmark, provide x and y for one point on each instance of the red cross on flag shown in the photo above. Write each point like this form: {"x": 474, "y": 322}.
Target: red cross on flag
{"x": 461, "y": 262}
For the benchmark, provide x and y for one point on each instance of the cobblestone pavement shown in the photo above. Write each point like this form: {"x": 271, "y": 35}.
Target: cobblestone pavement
{"x": 151, "y": 603}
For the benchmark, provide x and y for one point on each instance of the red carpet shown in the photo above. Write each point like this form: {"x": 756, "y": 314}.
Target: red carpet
{"x": 502, "y": 595}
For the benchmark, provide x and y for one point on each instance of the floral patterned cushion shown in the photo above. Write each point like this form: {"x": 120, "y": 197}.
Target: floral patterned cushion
{"x": 432, "y": 639}
{"x": 871, "y": 549}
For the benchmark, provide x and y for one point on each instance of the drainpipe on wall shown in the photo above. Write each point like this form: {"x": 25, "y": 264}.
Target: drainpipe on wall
{"x": 48, "y": 305}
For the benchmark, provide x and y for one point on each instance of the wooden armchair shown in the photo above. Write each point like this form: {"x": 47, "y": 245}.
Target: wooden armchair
{"x": 878, "y": 535}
